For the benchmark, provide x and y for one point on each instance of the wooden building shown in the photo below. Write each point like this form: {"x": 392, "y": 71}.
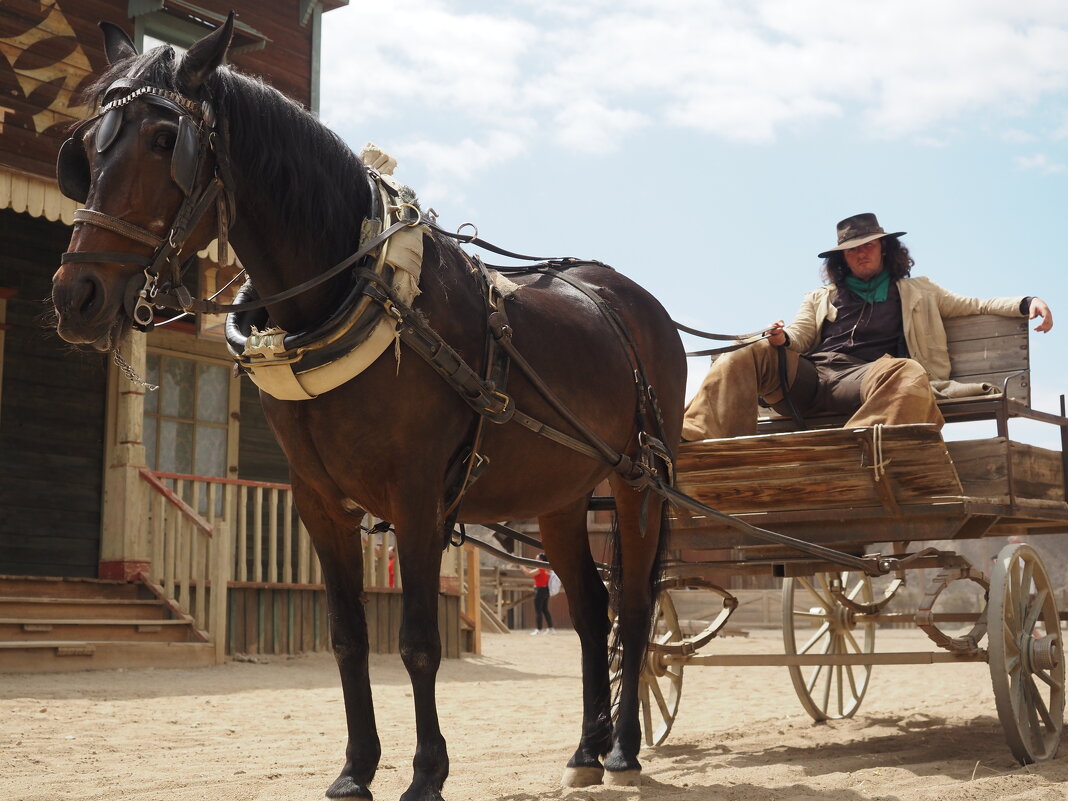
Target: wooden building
{"x": 127, "y": 509}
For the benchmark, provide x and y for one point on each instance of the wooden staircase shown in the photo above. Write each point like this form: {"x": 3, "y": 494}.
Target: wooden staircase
{"x": 58, "y": 625}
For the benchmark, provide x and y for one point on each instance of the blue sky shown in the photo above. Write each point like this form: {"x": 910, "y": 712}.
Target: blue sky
{"x": 706, "y": 148}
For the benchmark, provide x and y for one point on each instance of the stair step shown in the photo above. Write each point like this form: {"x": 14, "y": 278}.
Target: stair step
{"x": 51, "y": 587}
{"x": 20, "y": 606}
{"x": 20, "y": 629}
{"x": 53, "y": 656}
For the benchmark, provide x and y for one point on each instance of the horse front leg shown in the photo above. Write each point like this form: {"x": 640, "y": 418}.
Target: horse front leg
{"x": 338, "y": 544}
{"x": 566, "y": 541}
{"x": 420, "y": 537}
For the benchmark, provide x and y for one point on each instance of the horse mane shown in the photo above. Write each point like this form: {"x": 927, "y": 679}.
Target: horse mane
{"x": 303, "y": 169}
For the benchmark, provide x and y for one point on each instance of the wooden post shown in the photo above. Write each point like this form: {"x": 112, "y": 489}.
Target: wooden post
{"x": 124, "y": 546}
{"x": 474, "y": 597}
{"x": 220, "y": 579}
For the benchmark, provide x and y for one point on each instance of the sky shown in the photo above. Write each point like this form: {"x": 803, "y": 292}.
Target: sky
{"x": 707, "y": 148}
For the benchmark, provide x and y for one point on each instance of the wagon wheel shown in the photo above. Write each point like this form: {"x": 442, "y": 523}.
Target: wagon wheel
{"x": 830, "y": 692}
{"x": 1025, "y": 654}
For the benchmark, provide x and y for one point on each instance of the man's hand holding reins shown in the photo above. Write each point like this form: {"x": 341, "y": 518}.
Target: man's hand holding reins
{"x": 777, "y": 336}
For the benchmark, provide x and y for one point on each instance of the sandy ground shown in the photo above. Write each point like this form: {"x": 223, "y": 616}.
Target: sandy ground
{"x": 276, "y": 731}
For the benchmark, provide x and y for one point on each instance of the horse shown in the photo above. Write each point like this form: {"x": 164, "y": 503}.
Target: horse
{"x": 181, "y": 143}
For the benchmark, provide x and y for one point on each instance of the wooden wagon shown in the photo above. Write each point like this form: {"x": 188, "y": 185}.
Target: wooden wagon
{"x": 864, "y": 507}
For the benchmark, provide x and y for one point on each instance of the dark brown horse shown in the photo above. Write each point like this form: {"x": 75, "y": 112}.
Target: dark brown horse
{"x": 180, "y": 141}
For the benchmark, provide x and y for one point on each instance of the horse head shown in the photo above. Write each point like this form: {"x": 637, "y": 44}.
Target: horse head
{"x": 146, "y": 169}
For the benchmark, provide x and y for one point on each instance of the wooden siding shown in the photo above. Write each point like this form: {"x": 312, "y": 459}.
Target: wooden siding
{"x": 49, "y": 52}
{"x": 259, "y": 456}
{"x": 282, "y": 620}
{"x": 52, "y": 421}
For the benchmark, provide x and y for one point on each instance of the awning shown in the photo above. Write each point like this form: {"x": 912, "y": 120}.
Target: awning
{"x": 35, "y": 196}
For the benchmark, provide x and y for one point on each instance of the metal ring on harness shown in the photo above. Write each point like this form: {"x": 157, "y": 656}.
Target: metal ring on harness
{"x": 472, "y": 226}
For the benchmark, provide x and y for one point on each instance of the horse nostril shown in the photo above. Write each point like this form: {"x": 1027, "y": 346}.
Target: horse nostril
{"x": 90, "y": 295}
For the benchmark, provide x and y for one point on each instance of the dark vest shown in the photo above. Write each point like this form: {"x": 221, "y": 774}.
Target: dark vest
{"x": 865, "y": 330}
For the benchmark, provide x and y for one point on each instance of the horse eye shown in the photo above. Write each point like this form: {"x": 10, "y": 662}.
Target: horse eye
{"x": 164, "y": 140}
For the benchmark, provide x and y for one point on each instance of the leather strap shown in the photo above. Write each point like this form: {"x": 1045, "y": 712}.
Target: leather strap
{"x": 118, "y": 226}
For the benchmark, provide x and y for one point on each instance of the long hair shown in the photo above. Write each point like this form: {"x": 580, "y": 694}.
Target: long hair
{"x": 896, "y": 259}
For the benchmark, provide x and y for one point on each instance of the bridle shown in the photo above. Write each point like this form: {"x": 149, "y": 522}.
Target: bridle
{"x": 198, "y": 137}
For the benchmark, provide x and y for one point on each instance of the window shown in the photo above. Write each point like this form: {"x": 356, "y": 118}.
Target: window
{"x": 187, "y": 418}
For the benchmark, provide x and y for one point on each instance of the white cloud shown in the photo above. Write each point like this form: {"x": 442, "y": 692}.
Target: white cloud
{"x": 587, "y": 126}
{"x": 464, "y": 158}
{"x": 588, "y": 75}
{"x": 1039, "y": 162}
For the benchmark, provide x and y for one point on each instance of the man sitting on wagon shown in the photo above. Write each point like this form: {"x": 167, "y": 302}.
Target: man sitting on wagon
{"x": 870, "y": 343}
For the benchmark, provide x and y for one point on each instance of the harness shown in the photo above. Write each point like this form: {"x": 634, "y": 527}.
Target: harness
{"x": 199, "y": 136}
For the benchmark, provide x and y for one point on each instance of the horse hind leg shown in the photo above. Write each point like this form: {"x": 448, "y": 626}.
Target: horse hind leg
{"x": 566, "y": 541}
{"x": 638, "y": 557}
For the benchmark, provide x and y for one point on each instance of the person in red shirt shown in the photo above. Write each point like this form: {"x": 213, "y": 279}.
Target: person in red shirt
{"x": 541, "y": 596}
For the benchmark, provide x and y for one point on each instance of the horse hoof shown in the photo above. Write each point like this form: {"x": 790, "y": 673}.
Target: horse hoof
{"x": 344, "y": 788}
{"x": 582, "y": 776}
{"x": 623, "y": 778}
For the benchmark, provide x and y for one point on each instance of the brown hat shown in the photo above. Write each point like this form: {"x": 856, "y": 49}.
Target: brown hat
{"x": 856, "y": 231}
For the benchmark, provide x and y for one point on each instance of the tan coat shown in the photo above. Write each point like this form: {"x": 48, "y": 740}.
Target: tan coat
{"x": 924, "y": 304}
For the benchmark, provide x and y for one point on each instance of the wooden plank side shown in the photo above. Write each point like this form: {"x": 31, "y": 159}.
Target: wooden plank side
{"x": 1037, "y": 473}
{"x": 982, "y": 466}
{"x": 817, "y": 469}
{"x": 984, "y": 326}
{"x": 987, "y": 356}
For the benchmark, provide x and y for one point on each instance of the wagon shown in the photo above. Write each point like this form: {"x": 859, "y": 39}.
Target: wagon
{"x": 868, "y": 511}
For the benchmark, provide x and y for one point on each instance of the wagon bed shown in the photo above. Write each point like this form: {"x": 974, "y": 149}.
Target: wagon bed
{"x": 850, "y": 488}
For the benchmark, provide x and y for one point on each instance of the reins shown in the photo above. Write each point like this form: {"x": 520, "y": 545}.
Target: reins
{"x": 737, "y": 340}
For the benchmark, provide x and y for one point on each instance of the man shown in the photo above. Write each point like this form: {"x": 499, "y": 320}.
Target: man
{"x": 872, "y": 340}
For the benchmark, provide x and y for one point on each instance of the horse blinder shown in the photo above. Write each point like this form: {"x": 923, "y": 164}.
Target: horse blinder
{"x": 186, "y": 155}
{"x": 72, "y": 170}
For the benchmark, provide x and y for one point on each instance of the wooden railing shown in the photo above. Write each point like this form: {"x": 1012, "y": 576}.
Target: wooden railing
{"x": 267, "y": 545}
{"x": 190, "y": 561}
{"x": 271, "y": 546}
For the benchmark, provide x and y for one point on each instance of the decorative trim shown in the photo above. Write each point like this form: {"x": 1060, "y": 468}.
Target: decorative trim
{"x": 38, "y": 197}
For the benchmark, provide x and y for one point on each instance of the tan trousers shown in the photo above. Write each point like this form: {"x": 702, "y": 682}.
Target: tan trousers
{"x": 889, "y": 391}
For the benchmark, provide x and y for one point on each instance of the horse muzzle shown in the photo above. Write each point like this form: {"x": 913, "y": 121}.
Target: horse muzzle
{"x": 88, "y": 310}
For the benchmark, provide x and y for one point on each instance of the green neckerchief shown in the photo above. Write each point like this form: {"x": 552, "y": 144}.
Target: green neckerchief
{"x": 873, "y": 291}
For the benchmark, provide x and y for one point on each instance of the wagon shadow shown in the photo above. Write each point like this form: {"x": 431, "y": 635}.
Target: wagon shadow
{"x": 925, "y": 746}
{"x": 652, "y": 790}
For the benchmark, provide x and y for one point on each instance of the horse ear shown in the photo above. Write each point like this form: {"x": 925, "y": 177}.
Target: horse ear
{"x": 117, "y": 44}
{"x": 204, "y": 56}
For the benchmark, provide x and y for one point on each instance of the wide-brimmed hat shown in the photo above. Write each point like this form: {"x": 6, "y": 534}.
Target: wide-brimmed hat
{"x": 858, "y": 230}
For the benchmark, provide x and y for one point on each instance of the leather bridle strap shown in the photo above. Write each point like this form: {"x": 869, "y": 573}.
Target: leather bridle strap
{"x": 118, "y": 226}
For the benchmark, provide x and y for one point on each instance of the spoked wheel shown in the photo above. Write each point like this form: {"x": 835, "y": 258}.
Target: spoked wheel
{"x": 815, "y": 622}
{"x": 1026, "y": 654}
{"x": 660, "y": 683}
